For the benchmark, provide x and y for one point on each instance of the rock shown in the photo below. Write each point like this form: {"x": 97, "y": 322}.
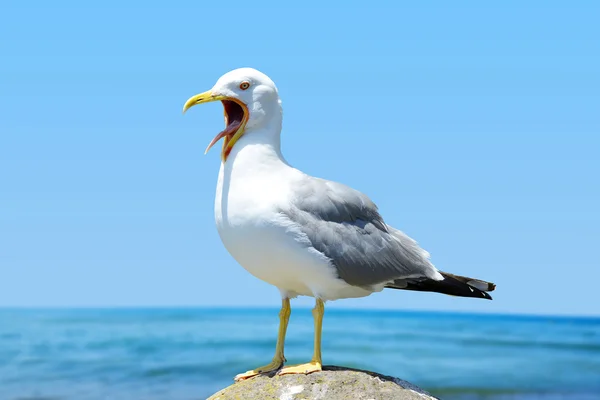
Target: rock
{"x": 334, "y": 383}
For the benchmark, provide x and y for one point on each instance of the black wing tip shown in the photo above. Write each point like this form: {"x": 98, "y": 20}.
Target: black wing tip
{"x": 487, "y": 296}
{"x": 451, "y": 285}
{"x": 479, "y": 286}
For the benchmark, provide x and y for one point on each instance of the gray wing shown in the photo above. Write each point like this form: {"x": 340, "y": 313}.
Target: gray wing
{"x": 345, "y": 226}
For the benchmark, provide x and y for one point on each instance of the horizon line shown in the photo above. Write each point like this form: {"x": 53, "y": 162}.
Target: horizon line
{"x": 301, "y": 307}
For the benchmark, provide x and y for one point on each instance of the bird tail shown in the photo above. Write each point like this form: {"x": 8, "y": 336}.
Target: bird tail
{"x": 454, "y": 285}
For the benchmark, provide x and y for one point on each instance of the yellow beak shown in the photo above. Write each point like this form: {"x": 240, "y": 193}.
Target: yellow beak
{"x": 205, "y": 97}
{"x": 232, "y": 132}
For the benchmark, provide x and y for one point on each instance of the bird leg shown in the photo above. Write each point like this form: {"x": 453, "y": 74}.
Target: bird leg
{"x": 278, "y": 359}
{"x": 315, "y": 364}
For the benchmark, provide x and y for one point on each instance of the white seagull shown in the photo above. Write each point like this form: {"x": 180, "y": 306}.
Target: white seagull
{"x": 307, "y": 236}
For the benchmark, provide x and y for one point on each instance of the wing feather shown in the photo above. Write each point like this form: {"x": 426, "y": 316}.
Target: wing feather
{"x": 345, "y": 226}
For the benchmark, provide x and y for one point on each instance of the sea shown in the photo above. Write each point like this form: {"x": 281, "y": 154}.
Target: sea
{"x": 190, "y": 353}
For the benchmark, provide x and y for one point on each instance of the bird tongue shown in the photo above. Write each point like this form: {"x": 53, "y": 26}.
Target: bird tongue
{"x": 227, "y": 133}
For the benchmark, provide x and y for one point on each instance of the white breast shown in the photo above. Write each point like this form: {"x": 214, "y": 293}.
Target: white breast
{"x": 253, "y": 186}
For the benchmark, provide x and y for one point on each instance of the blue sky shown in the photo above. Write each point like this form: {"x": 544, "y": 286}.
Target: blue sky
{"x": 475, "y": 128}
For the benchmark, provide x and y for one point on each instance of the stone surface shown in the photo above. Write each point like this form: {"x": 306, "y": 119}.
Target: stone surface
{"x": 334, "y": 383}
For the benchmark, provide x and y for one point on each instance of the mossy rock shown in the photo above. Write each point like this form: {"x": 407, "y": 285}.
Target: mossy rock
{"x": 334, "y": 383}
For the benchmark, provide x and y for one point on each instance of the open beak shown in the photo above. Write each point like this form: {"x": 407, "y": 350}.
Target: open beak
{"x": 236, "y": 117}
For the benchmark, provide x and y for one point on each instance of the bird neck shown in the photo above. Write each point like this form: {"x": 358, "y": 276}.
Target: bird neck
{"x": 262, "y": 142}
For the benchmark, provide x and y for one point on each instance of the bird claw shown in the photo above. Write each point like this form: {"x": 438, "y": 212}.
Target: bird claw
{"x": 307, "y": 368}
{"x": 274, "y": 365}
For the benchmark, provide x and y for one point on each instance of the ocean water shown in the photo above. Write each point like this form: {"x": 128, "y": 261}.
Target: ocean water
{"x": 185, "y": 354}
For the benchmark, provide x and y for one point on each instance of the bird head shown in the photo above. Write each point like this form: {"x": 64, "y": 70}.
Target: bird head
{"x": 248, "y": 97}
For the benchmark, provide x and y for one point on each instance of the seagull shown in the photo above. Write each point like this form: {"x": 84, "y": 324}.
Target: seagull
{"x": 304, "y": 235}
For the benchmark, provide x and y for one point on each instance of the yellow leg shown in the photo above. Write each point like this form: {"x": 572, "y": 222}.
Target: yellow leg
{"x": 278, "y": 359}
{"x": 315, "y": 364}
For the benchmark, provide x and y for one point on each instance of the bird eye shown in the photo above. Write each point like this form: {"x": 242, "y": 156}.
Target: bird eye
{"x": 244, "y": 85}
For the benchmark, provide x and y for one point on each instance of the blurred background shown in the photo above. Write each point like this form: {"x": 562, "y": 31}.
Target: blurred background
{"x": 473, "y": 126}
